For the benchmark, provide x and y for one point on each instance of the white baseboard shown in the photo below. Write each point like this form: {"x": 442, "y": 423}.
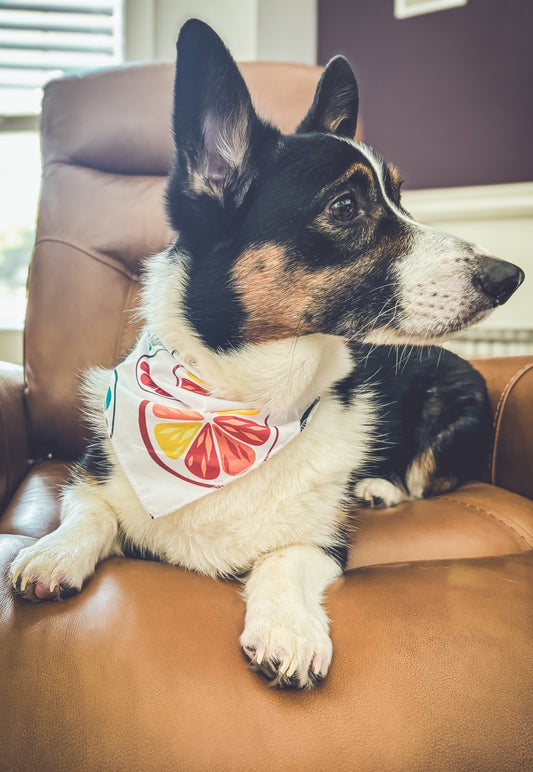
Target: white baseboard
{"x": 482, "y": 343}
{"x": 485, "y": 202}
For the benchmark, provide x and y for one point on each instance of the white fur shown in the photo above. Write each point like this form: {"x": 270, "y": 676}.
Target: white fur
{"x": 69, "y": 554}
{"x": 291, "y": 505}
{"x": 435, "y": 285}
{"x": 372, "y": 488}
{"x": 287, "y": 631}
{"x": 293, "y": 499}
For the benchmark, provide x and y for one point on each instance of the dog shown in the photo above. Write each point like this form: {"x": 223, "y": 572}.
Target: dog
{"x": 269, "y": 389}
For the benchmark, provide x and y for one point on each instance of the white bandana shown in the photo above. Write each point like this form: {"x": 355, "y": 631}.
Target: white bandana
{"x": 175, "y": 441}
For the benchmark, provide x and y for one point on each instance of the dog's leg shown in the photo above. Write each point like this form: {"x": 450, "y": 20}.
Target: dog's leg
{"x": 286, "y": 633}
{"x": 58, "y": 564}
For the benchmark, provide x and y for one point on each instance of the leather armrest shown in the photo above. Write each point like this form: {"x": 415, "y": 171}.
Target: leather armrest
{"x": 510, "y": 386}
{"x": 14, "y": 448}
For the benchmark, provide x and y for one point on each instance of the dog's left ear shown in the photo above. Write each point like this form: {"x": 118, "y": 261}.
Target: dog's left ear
{"x": 336, "y": 103}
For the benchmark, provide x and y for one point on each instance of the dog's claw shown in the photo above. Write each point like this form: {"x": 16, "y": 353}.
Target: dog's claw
{"x": 36, "y": 591}
{"x": 288, "y": 669}
{"x": 291, "y": 670}
{"x": 260, "y": 655}
{"x": 285, "y": 667}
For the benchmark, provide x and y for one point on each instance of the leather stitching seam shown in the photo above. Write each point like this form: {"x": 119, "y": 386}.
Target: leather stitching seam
{"x": 527, "y": 539}
{"x": 498, "y": 414}
{"x": 119, "y": 268}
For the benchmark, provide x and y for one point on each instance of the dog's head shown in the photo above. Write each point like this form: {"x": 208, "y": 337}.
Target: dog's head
{"x": 305, "y": 233}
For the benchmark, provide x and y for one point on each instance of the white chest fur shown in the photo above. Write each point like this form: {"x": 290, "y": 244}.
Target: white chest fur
{"x": 293, "y": 498}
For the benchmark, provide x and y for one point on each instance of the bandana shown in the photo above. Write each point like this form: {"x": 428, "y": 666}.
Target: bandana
{"x": 177, "y": 442}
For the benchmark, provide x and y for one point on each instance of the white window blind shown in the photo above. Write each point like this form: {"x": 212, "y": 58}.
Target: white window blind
{"x": 42, "y": 40}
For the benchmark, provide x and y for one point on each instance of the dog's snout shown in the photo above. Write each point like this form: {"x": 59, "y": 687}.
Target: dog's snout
{"x": 497, "y": 279}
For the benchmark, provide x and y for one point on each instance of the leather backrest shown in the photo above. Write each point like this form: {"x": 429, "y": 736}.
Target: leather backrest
{"x": 107, "y": 148}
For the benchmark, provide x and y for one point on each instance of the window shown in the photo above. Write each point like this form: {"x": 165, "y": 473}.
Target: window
{"x": 19, "y": 191}
{"x": 42, "y": 40}
{"x": 38, "y": 41}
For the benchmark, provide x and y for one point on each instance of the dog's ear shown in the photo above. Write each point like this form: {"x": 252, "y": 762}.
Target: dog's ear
{"x": 215, "y": 125}
{"x": 336, "y": 102}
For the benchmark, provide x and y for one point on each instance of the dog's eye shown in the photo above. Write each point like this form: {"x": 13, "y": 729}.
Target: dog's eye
{"x": 344, "y": 208}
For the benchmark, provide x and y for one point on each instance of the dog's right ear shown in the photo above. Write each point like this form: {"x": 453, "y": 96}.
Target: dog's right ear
{"x": 216, "y": 129}
{"x": 336, "y": 103}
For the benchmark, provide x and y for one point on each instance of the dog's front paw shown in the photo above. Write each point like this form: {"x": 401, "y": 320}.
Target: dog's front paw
{"x": 379, "y": 492}
{"x": 288, "y": 653}
{"x": 44, "y": 572}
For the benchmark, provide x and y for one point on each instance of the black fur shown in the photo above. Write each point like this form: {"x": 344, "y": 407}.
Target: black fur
{"x": 95, "y": 462}
{"x": 336, "y": 102}
{"x": 339, "y": 552}
{"x": 131, "y": 550}
{"x": 429, "y": 398}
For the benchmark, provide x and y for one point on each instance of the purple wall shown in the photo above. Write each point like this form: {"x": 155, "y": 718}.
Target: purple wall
{"x": 447, "y": 96}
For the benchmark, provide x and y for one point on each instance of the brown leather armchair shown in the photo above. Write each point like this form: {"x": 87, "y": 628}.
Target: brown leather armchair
{"x": 432, "y": 625}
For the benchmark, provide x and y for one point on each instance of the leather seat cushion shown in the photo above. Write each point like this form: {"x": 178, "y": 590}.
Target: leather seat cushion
{"x": 142, "y": 670}
{"x": 431, "y": 670}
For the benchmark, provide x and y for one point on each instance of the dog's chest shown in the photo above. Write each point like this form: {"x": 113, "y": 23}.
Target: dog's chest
{"x": 294, "y": 497}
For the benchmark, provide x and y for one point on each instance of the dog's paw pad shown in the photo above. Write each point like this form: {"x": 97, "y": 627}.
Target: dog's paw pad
{"x": 43, "y": 592}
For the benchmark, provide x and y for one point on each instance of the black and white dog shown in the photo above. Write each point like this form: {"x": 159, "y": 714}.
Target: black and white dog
{"x": 268, "y": 390}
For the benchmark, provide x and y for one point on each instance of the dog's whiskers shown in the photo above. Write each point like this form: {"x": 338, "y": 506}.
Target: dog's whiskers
{"x": 292, "y": 352}
{"x": 384, "y": 309}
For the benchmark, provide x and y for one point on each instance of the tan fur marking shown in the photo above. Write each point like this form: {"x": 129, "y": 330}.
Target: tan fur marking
{"x": 198, "y": 184}
{"x": 440, "y": 485}
{"x": 421, "y": 479}
{"x": 274, "y": 297}
{"x": 283, "y": 300}
{"x": 357, "y": 168}
{"x": 420, "y": 473}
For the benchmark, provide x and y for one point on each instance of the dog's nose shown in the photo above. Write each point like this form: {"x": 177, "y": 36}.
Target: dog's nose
{"x": 498, "y": 279}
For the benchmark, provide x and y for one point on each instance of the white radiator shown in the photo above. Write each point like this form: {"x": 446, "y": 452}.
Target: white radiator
{"x": 493, "y": 343}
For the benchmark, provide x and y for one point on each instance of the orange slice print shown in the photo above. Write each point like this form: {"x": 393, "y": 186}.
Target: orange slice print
{"x": 242, "y": 429}
{"x": 202, "y": 459}
{"x": 235, "y": 456}
{"x": 175, "y": 438}
{"x": 211, "y": 443}
{"x": 176, "y": 414}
